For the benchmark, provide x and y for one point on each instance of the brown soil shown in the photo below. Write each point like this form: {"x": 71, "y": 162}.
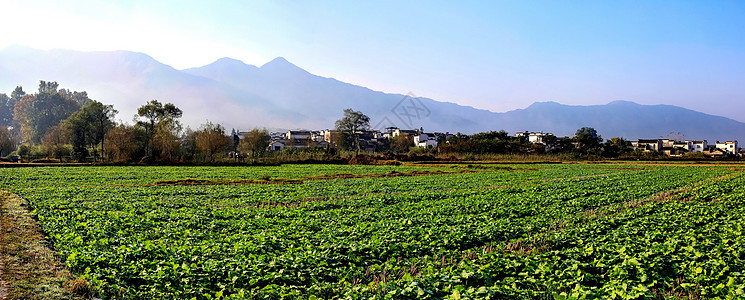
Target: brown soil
{"x": 193, "y": 181}
{"x": 196, "y": 181}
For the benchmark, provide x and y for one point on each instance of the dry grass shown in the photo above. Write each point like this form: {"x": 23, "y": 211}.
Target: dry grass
{"x": 31, "y": 269}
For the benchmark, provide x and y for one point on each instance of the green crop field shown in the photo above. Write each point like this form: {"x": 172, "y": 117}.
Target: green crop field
{"x": 399, "y": 232}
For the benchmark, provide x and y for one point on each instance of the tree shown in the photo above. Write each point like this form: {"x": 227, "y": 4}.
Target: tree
{"x": 38, "y": 112}
{"x": 17, "y": 94}
{"x": 88, "y": 127}
{"x": 102, "y": 118}
{"x": 166, "y": 139}
{"x": 401, "y": 143}
{"x": 7, "y": 106}
{"x": 162, "y": 118}
{"x": 79, "y": 128}
{"x": 616, "y": 147}
{"x": 255, "y": 142}
{"x": 6, "y": 110}
{"x": 211, "y": 139}
{"x": 188, "y": 145}
{"x": 81, "y": 98}
{"x": 55, "y": 140}
{"x": 121, "y": 143}
{"x": 349, "y": 128}
{"x": 550, "y": 141}
{"x": 588, "y": 140}
{"x": 236, "y": 140}
{"x": 7, "y": 141}
{"x": 48, "y": 86}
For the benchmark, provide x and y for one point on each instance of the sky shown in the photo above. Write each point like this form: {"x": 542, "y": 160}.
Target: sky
{"x": 495, "y": 55}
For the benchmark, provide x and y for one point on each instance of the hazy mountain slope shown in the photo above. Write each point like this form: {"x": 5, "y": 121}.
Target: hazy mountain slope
{"x": 280, "y": 94}
{"x": 128, "y": 80}
{"x": 321, "y": 100}
{"x": 625, "y": 119}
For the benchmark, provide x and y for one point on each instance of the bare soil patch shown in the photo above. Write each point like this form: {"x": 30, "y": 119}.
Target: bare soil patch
{"x": 196, "y": 181}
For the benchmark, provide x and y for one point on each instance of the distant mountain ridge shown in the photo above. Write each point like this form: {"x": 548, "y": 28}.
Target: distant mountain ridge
{"x": 630, "y": 120}
{"x": 281, "y": 95}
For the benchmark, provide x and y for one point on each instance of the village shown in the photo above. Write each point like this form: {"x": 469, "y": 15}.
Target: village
{"x": 370, "y": 141}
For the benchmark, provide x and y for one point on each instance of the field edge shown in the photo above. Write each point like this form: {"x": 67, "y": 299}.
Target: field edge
{"x": 30, "y": 268}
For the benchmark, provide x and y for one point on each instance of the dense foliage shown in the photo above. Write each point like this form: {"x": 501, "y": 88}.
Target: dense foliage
{"x": 521, "y": 231}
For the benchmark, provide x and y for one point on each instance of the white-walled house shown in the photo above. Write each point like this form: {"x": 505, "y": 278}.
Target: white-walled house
{"x": 330, "y": 136}
{"x": 683, "y": 147}
{"x": 317, "y": 136}
{"x": 297, "y": 135}
{"x": 697, "y": 146}
{"x": 730, "y": 147}
{"x": 399, "y": 132}
{"x": 647, "y": 145}
{"x": 276, "y": 146}
{"x": 533, "y": 137}
{"x": 425, "y": 140}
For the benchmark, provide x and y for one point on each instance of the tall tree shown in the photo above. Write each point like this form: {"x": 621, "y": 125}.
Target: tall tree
{"x": 48, "y": 86}
{"x": 255, "y": 142}
{"x": 6, "y": 110}
{"x": 156, "y": 116}
{"x": 188, "y": 145}
{"x": 7, "y": 141}
{"x": 588, "y": 140}
{"x": 350, "y": 127}
{"x": 7, "y": 106}
{"x": 81, "y": 98}
{"x": 102, "y": 118}
{"x": 236, "y": 140}
{"x": 88, "y": 126}
{"x": 38, "y": 112}
{"x": 17, "y": 94}
{"x": 79, "y": 126}
{"x": 211, "y": 140}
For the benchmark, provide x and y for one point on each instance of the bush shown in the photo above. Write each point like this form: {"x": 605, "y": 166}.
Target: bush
{"x": 23, "y": 150}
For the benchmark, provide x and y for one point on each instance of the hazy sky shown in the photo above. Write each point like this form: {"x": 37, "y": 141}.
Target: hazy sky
{"x": 496, "y": 55}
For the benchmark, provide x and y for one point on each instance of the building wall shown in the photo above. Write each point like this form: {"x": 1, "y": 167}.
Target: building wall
{"x": 730, "y": 147}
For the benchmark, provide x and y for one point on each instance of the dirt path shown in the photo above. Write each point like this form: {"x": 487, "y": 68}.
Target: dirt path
{"x": 3, "y": 288}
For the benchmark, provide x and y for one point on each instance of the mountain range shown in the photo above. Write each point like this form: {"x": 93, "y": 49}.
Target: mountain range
{"x": 279, "y": 94}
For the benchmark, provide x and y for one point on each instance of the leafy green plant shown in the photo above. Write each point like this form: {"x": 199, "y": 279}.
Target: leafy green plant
{"x": 506, "y": 231}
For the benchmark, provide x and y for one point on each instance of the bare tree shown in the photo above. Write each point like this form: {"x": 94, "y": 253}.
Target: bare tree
{"x": 255, "y": 142}
{"x": 54, "y": 141}
{"x": 122, "y": 143}
{"x": 350, "y": 126}
{"x": 211, "y": 139}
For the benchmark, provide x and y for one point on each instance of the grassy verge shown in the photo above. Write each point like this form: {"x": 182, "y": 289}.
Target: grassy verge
{"x": 31, "y": 269}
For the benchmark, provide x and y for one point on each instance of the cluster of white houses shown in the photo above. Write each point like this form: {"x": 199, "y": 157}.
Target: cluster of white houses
{"x": 369, "y": 139}
{"x": 668, "y": 147}
{"x": 677, "y": 148}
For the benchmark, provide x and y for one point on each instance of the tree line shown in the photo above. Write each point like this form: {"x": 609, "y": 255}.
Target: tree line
{"x": 59, "y": 124}
{"x": 584, "y": 143}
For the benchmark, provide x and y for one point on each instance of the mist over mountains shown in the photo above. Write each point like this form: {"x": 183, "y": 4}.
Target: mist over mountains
{"x": 279, "y": 94}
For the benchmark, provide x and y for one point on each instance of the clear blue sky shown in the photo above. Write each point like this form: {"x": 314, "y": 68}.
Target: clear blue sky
{"x": 496, "y": 55}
